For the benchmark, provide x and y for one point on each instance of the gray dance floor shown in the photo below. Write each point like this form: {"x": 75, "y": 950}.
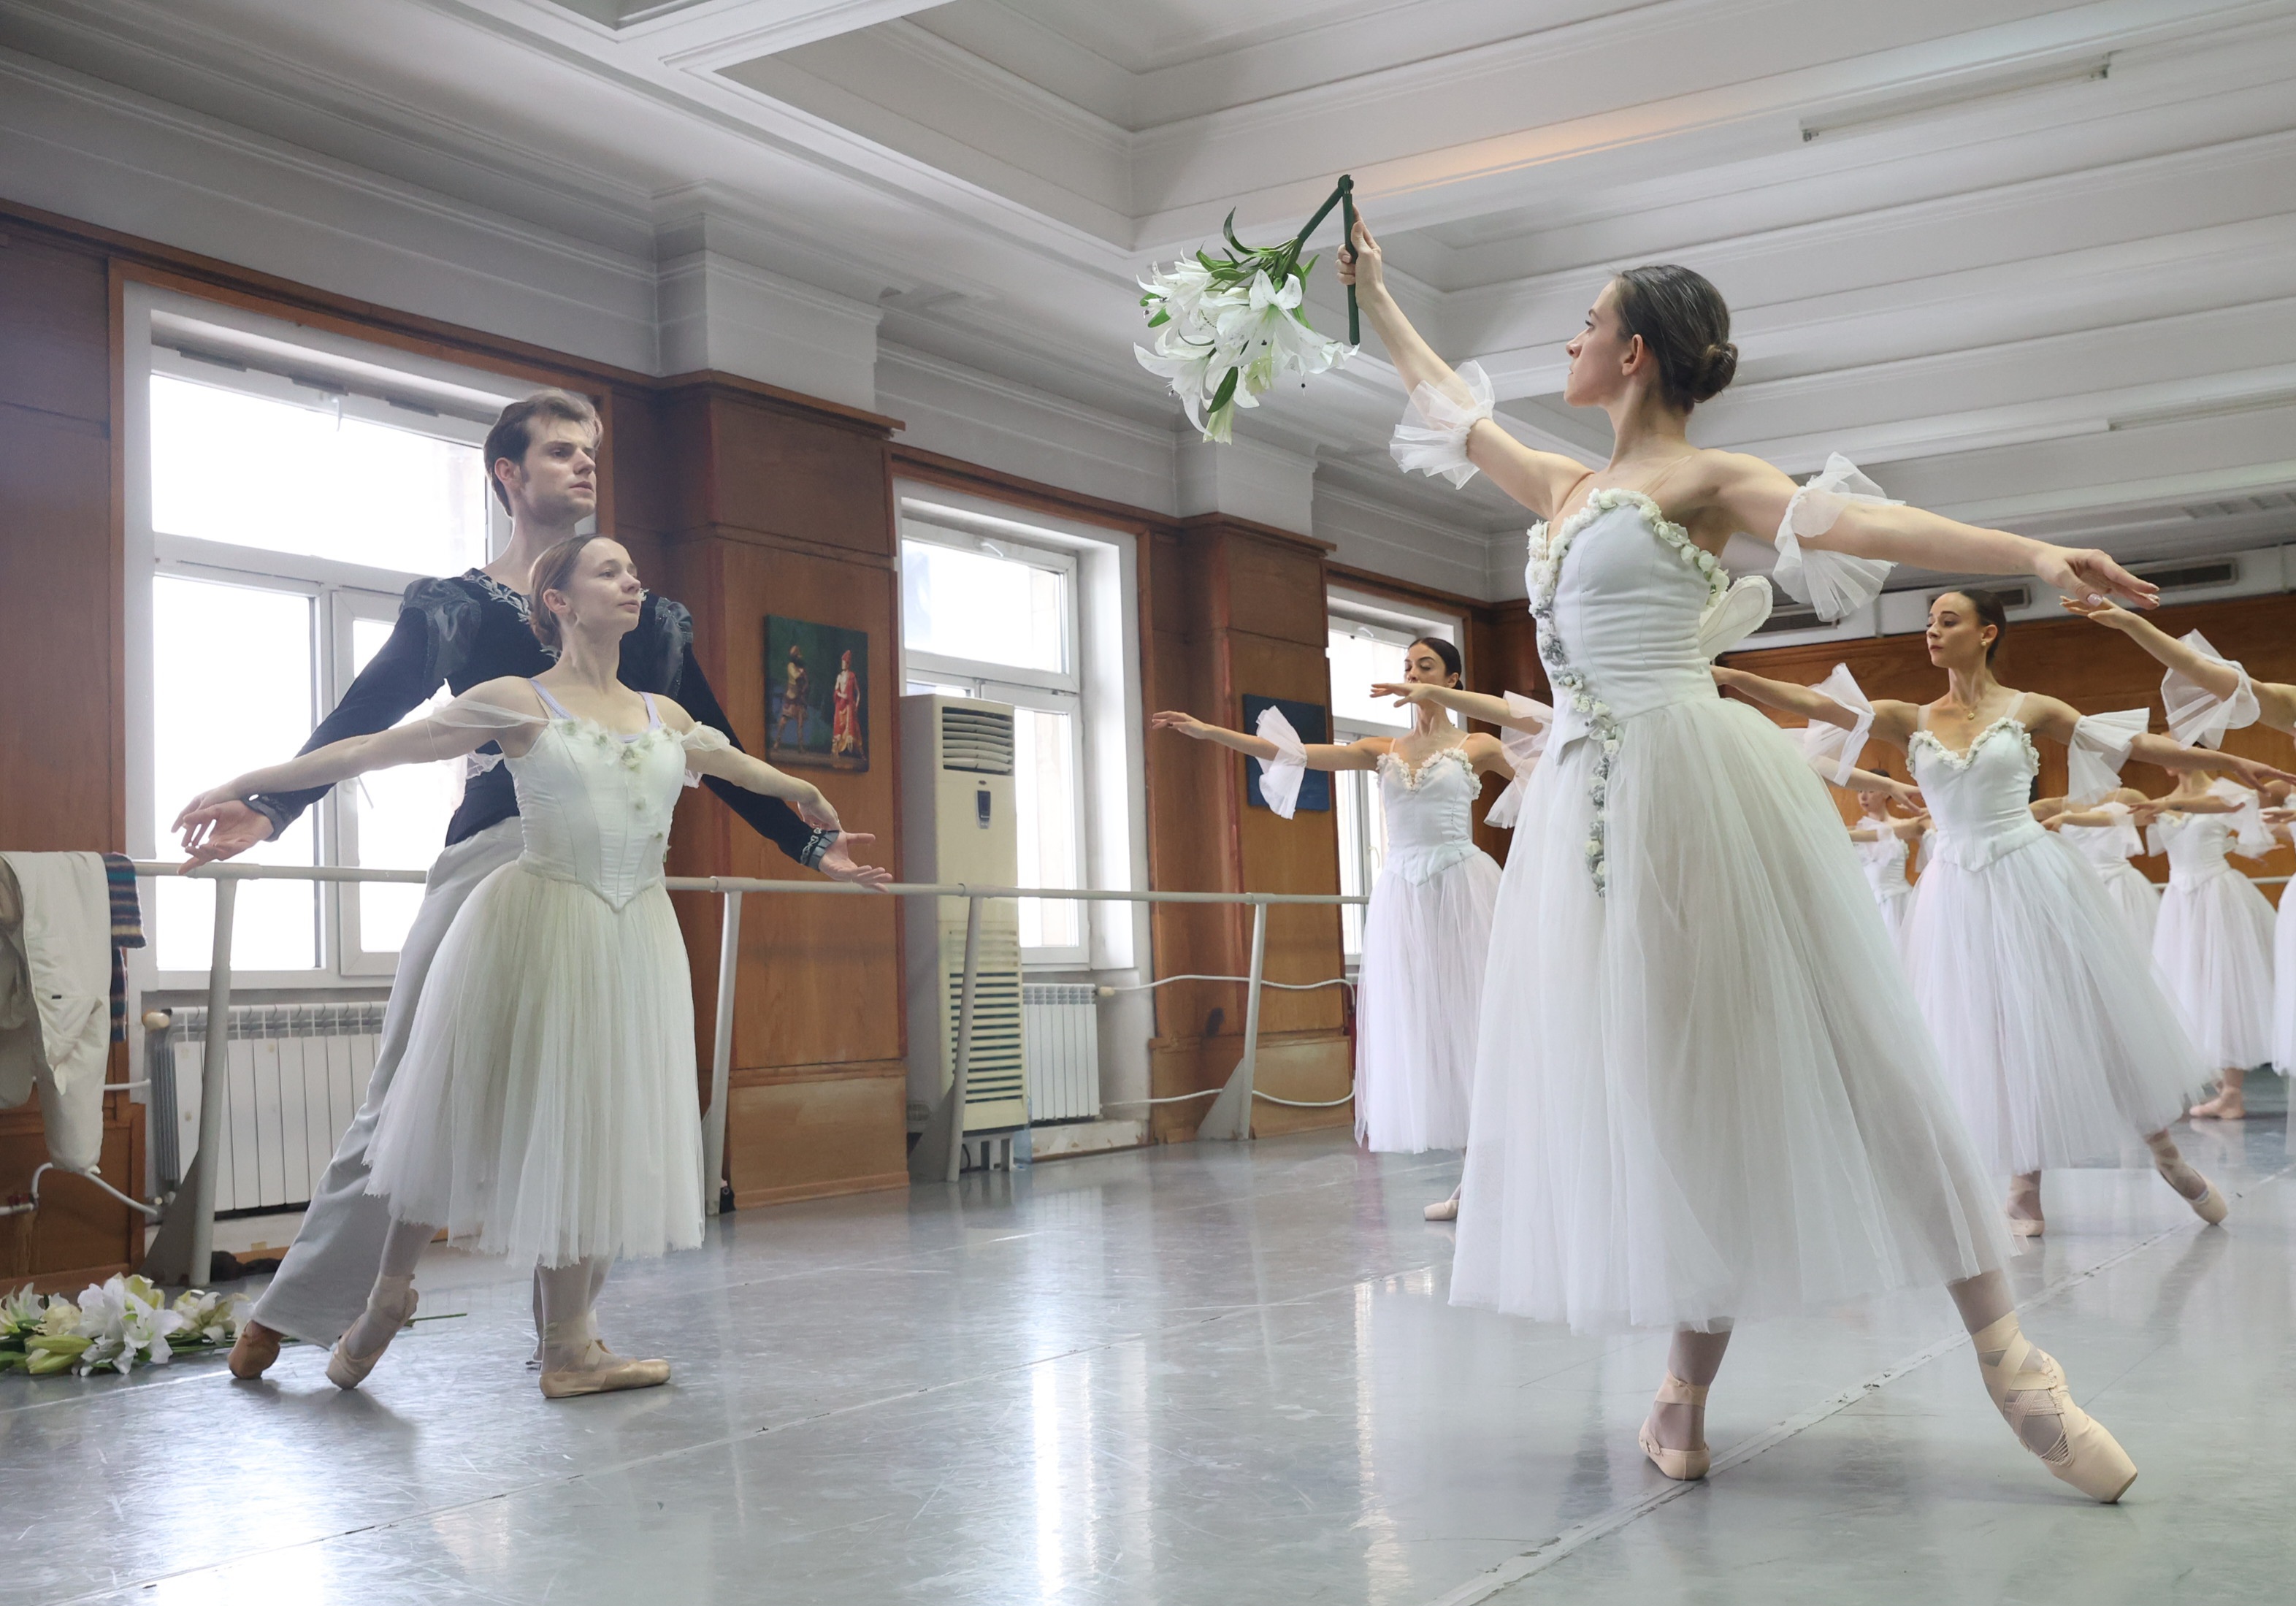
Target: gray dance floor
{"x": 1208, "y": 1373}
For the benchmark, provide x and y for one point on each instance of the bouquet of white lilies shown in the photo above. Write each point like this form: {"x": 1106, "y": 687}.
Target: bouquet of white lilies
{"x": 1228, "y": 327}
{"x": 116, "y": 1326}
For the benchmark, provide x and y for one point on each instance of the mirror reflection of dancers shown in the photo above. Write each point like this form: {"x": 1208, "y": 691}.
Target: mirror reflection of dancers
{"x": 2207, "y": 694}
{"x": 543, "y": 1108}
{"x": 1702, "y": 1092}
{"x": 542, "y": 463}
{"x": 2214, "y": 941}
{"x": 2109, "y": 834}
{"x": 1428, "y": 925}
{"x": 2054, "y": 1030}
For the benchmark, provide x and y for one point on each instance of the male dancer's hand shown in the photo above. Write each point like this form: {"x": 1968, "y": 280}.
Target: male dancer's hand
{"x": 839, "y": 864}
{"x": 221, "y": 829}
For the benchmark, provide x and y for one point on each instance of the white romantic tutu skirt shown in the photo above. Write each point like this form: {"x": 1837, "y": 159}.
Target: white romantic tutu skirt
{"x": 2135, "y": 895}
{"x": 1419, "y": 998}
{"x": 545, "y": 1108}
{"x": 1896, "y": 907}
{"x": 2055, "y": 1035}
{"x": 1706, "y": 1096}
{"x": 2283, "y": 991}
{"x": 2214, "y": 944}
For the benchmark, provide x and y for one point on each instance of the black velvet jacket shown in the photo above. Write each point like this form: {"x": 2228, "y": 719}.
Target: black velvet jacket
{"x": 470, "y": 628}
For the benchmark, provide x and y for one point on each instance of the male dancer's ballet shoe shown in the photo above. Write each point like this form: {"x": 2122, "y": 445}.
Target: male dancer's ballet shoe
{"x": 2027, "y": 1387}
{"x": 253, "y": 1352}
{"x": 1446, "y": 1209}
{"x": 348, "y": 1371}
{"x": 1681, "y": 1465}
{"x": 602, "y": 1372}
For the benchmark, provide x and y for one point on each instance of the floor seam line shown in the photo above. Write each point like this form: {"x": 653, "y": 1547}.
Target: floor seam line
{"x": 1539, "y": 1557}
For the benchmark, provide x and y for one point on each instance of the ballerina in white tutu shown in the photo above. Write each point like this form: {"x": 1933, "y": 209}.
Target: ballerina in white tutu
{"x": 2108, "y": 833}
{"x": 545, "y": 1109}
{"x": 1888, "y": 846}
{"x": 2215, "y": 938}
{"x": 2207, "y": 694}
{"x": 1702, "y": 1091}
{"x": 1428, "y": 927}
{"x": 2050, "y": 1020}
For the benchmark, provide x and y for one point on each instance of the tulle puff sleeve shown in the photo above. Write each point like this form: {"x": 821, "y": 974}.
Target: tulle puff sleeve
{"x": 2099, "y": 748}
{"x": 1832, "y": 582}
{"x": 702, "y": 739}
{"x": 1433, "y": 438}
{"x": 2197, "y": 717}
{"x": 2251, "y": 838}
{"x": 1524, "y": 749}
{"x": 1280, "y": 777}
{"x": 1833, "y": 750}
{"x": 2126, "y": 840}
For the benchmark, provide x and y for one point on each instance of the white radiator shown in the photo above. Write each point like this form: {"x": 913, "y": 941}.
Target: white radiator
{"x": 295, "y": 1076}
{"x": 1060, "y": 1031}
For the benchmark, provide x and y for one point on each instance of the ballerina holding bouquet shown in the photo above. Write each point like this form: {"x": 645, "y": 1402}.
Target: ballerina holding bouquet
{"x": 545, "y": 1109}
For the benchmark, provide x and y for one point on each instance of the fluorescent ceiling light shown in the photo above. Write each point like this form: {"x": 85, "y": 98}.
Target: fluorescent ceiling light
{"x": 1879, "y": 110}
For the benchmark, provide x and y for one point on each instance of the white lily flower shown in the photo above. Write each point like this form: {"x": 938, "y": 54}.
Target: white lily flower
{"x": 21, "y": 1311}
{"x": 125, "y": 1321}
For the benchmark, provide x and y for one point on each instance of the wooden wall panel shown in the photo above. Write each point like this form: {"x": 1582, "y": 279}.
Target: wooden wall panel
{"x": 2095, "y": 669}
{"x": 778, "y": 472}
{"x": 816, "y": 1137}
{"x": 60, "y": 654}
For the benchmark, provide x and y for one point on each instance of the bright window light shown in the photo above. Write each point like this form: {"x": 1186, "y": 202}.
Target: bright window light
{"x": 1358, "y": 663}
{"x": 1044, "y": 813}
{"x": 992, "y": 610}
{"x": 402, "y": 816}
{"x": 233, "y": 690}
{"x": 247, "y": 470}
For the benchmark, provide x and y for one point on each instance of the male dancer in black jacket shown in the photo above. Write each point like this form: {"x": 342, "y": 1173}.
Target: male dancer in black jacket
{"x": 542, "y": 459}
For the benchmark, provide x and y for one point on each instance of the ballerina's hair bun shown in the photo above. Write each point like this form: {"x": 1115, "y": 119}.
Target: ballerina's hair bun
{"x": 1684, "y": 321}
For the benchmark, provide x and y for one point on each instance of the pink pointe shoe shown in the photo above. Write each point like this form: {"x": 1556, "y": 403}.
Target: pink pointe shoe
{"x": 348, "y": 1371}
{"x": 2027, "y": 1387}
{"x": 1681, "y": 1465}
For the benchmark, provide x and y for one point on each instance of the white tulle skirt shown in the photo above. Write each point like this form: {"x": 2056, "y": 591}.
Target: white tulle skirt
{"x": 1706, "y": 1096}
{"x": 2057, "y": 1040}
{"x": 2214, "y": 944}
{"x": 1896, "y": 907}
{"x": 2135, "y": 895}
{"x": 1419, "y": 999}
{"x": 545, "y": 1108}
{"x": 2284, "y": 992}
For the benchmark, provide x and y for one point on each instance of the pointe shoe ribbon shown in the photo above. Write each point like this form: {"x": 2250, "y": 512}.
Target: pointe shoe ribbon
{"x": 1681, "y": 1465}
{"x": 348, "y": 1371}
{"x": 2028, "y": 1385}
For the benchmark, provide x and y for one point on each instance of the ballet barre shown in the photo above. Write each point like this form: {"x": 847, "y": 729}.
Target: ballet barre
{"x": 184, "y": 1245}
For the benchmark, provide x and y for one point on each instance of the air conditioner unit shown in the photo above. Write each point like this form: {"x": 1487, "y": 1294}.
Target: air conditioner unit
{"x": 958, "y": 825}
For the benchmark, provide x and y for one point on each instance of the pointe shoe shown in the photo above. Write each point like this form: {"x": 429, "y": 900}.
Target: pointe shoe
{"x": 253, "y": 1352}
{"x": 2025, "y": 1383}
{"x": 1681, "y": 1465}
{"x": 1446, "y": 1209}
{"x": 2027, "y": 1226}
{"x": 2210, "y": 1207}
{"x": 600, "y": 1372}
{"x": 348, "y": 1371}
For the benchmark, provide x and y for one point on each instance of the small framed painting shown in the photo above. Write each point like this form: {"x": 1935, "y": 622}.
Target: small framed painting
{"x": 817, "y": 695}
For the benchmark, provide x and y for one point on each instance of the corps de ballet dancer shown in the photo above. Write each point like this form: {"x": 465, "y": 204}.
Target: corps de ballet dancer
{"x": 1702, "y": 1091}
{"x": 2109, "y": 834}
{"x": 545, "y": 1104}
{"x": 2050, "y": 1021}
{"x": 1888, "y": 845}
{"x": 1428, "y": 926}
{"x": 2215, "y": 938}
{"x": 2207, "y": 694}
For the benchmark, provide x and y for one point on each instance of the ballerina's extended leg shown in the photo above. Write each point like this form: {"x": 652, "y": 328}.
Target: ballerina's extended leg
{"x": 390, "y": 1306}
{"x": 2027, "y": 1387}
{"x": 2208, "y": 1202}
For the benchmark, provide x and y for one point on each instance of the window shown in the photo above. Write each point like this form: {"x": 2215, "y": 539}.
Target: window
{"x": 997, "y": 619}
{"x": 285, "y": 487}
{"x": 1366, "y": 646}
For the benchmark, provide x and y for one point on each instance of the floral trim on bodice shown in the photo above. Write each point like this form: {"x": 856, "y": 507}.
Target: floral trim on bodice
{"x": 1414, "y": 775}
{"x": 1547, "y": 551}
{"x": 1968, "y": 755}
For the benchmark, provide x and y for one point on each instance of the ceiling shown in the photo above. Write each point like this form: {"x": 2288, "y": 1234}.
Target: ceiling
{"x": 2030, "y": 262}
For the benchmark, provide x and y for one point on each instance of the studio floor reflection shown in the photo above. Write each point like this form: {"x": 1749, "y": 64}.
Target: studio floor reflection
{"x": 1207, "y": 1373}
